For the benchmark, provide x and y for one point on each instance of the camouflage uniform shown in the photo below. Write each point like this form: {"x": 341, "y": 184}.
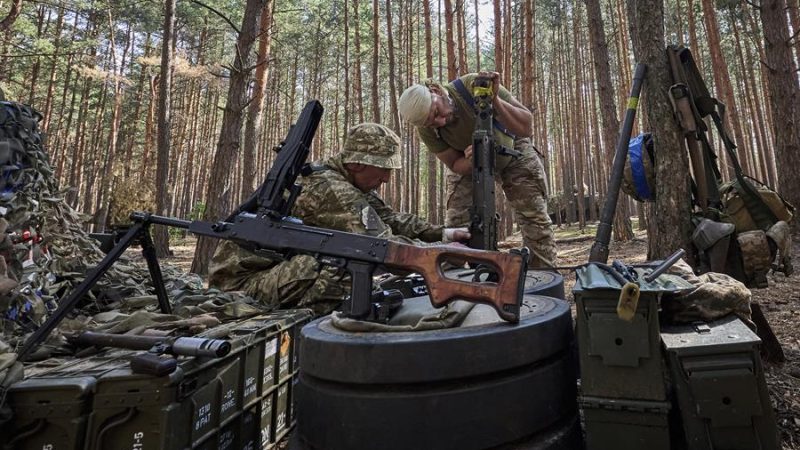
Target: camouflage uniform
{"x": 329, "y": 199}
{"x": 522, "y": 179}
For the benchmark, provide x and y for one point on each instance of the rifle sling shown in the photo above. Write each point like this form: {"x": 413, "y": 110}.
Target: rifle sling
{"x": 685, "y": 71}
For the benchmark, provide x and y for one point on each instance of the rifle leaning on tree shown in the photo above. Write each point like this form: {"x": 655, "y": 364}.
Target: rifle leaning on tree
{"x": 262, "y": 224}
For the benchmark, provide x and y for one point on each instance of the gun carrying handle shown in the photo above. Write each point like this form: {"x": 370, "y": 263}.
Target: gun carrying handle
{"x": 505, "y": 295}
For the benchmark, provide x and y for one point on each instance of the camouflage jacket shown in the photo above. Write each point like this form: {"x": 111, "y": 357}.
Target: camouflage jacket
{"x": 330, "y": 200}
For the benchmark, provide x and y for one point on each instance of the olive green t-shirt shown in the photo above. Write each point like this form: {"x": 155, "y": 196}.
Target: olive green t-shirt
{"x": 458, "y": 133}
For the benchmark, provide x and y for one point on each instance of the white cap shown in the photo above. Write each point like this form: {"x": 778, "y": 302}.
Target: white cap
{"x": 415, "y": 105}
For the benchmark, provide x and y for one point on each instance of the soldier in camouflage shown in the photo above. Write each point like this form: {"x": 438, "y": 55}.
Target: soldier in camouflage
{"x": 445, "y": 122}
{"x": 339, "y": 194}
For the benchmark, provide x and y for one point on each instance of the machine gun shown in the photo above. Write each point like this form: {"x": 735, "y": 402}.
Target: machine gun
{"x": 152, "y": 362}
{"x": 483, "y": 214}
{"x": 262, "y": 224}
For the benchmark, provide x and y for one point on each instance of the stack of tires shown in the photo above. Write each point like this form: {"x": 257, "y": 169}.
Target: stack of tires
{"x": 484, "y": 385}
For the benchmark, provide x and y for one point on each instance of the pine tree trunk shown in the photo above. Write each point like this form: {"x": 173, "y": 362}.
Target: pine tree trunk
{"x": 723, "y": 84}
{"x": 450, "y": 44}
{"x": 784, "y": 97}
{"x": 255, "y": 112}
{"x": 160, "y": 233}
{"x": 608, "y": 109}
{"x": 376, "y": 112}
{"x": 673, "y": 204}
{"x": 218, "y": 194}
{"x": 357, "y": 66}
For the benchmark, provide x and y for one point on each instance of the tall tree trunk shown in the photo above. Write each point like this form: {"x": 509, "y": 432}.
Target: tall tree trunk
{"x": 218, "y": 198}
{"x": 376, "y": 40}
{"x": 608, "y": 109}
{"x": 450, "y": 44}
{"x": 395, "y": 117}
{"x": 477, "y": 34}
{"x": 580, "y": 126}
{"x": 47, "y": 111}
{"x": 723, "y": 84}
{"x": 346, "y": 69}
{"x": 357, "y": 66}
{"x": 784, "y": 96}
{"x": 107, "y": 174}
{"x": 255, "y": 113}
{"x": 160, "y": 233}
{"x": 499, "y": 55}
{"x": 670, "y": 229}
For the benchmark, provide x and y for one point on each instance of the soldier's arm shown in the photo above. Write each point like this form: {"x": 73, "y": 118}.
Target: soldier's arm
{"x": 513, "y": 114}
{"x": 405, "y": 224}
{"x": 508, "y": 110}
{"x": 456, "y": 161}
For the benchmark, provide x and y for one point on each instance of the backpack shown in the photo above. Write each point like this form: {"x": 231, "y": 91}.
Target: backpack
{"x": 737, "y": 213}
{"x": 759, "y": 240}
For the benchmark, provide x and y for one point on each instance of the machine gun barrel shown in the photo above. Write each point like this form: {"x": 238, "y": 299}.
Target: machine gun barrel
{"x": 183, "y": 346}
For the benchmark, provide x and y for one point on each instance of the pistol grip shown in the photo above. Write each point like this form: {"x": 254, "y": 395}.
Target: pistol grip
{"x": 152, "y": 364}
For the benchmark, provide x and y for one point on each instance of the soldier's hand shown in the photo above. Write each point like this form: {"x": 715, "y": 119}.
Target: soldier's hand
{"x": 468, "y": 153}
{"x": 455, "y": 234}
{"x": 495, "y": 77}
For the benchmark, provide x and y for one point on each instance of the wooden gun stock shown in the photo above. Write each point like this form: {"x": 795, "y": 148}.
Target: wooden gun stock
{"x": 505, "y": 295}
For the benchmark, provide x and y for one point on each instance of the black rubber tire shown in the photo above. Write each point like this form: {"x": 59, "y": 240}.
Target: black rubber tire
{"x": 544, "y": 331}
{"x": 564, "y": 435}
{"x": 473, "y": 387}
{"x": 549, "y": 284}
{"x": 476, "y": 413}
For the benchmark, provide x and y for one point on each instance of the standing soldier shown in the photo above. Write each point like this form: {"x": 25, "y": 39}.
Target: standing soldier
{"x": 339, "y": 194}
{"x": 444, "y": 117}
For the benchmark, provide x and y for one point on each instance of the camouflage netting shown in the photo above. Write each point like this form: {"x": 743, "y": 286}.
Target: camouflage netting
{"x": 46, "y": 252}
{"x": 129, "y": 195}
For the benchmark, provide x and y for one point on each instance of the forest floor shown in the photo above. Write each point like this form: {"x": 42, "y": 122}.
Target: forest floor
{"x": 780, "y": 303}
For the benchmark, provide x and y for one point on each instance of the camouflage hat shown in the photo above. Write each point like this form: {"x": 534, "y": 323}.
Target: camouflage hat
{"x": 372, "y": 144}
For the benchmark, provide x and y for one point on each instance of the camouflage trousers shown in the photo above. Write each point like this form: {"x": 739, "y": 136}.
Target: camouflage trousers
{"x": 525, "y": 188}
{"x": 298, "y": 282}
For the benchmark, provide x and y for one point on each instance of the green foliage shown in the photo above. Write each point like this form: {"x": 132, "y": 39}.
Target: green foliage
{"x": 198, "y": 210}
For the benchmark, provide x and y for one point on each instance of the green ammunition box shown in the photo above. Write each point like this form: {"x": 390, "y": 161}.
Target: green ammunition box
{"x": 720, "y": 387}
{"x": 266, "y": 419}
{"x": 270, "y": 366}
{"x": 209, "y": 443}
{"x": 249, "y": 435}
{"x": 205, "y": 411}
{"x": 227, "y": 439}
{"x": 625, "y": 424}
{"x": 50, "y": 413}
{"x": 282, "y": 424}
{"x": 618, "y": 358}
{"x": 293, "y": 400}
{"x": 132, "y": 411}
{"x": 207, "y": 403}
{"x": 229, "y": 377}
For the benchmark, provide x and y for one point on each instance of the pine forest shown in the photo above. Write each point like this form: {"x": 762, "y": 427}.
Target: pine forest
{"x": 182, "y": 102}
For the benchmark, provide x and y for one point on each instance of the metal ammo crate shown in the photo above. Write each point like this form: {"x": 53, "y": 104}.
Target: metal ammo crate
{"x": 239, "y": 401}
{"x": 620, "y": 359}
{"x": 720, "y": 387}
